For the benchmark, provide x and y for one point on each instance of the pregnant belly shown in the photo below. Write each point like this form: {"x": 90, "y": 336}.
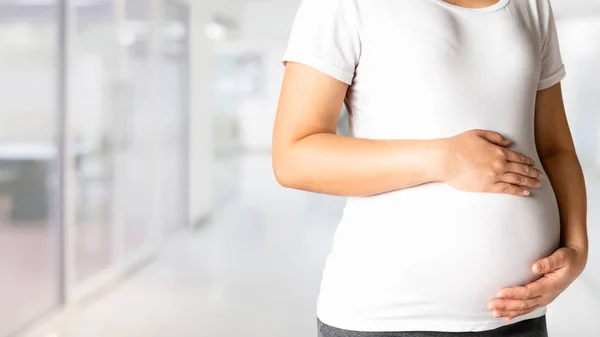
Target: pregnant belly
{"x": 438, "y": 250}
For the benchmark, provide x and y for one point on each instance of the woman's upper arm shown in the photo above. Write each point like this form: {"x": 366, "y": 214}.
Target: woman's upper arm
{"x": 551, "y": 128}
{"x": 310, "y": 103}
{"x": 321, "y": 57}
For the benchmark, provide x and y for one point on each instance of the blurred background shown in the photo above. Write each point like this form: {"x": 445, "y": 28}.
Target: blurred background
{"x": 136, "y": 190}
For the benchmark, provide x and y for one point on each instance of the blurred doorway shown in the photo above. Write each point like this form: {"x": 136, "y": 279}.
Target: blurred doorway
{"x": 113, "y": 125}
{"x": 93, "y": 65}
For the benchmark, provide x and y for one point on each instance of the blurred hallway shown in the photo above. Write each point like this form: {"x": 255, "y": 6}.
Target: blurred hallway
{"x": 253, "y": 270}
{"x": 122, "y": 125}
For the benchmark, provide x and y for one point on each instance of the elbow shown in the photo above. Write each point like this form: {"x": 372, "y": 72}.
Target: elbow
{"x": 284, "y": 172}
{"x": 283, "y": 175}
{"x": 551, "y": 152}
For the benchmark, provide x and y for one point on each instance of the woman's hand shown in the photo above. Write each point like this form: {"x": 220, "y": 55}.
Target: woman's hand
{"x": 478, "y": 161}
{"x": 559, "y": 270}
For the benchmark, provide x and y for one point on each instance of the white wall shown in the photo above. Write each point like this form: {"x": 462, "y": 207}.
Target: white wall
{"x": 581, "y": 87}
{"x": 566, "y": 8}
{"x": 200, "y": 146}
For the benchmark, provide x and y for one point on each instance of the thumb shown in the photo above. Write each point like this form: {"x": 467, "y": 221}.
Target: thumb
{"x": 494, "y": 137}
{"x": 553, "y": 262}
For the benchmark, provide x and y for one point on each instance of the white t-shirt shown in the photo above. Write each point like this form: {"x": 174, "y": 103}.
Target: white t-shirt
{"x": 431, "y": 257}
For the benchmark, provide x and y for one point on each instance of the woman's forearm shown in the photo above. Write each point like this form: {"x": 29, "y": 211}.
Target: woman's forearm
{"x": 565, "y": 174}
{"x": 337, "y": 165}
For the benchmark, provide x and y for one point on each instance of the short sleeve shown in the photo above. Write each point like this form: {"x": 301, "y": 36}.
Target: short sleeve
{"x": 325, "y": 36}
{"x": 553, "y": 69}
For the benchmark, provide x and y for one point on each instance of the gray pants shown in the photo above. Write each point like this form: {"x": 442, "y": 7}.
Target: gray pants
{"x": 535, "y": 327}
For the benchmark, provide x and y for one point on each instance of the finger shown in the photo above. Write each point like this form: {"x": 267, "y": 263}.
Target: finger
{"x": 517, "y": 179}
{"x": 508, "y": 315}
{"x": 553, "y": 262}
{"x": 524, "y": 170}
{"x": 494, "y": 137}
{"x": 514, "y": 305}
{"x": 502, "y": 187}
{"x": 531, "y": 290}
{"x": 517, "y": 157}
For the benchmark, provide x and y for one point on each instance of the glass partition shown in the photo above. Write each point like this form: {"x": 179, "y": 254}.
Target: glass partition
{"x": 95, "y": 102}
{"x": 29, "y": 193}
{"x": 135, "y": 161}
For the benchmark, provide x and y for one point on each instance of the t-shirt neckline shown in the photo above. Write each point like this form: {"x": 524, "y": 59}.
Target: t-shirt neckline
{"x": 492, "y": 8}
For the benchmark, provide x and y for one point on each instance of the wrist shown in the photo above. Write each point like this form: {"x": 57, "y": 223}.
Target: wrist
{"x": 581, "y": 255}
{"x": 579, "y": 245}
{"x": 580, "y": 249}
{"x": 439, "y": 160}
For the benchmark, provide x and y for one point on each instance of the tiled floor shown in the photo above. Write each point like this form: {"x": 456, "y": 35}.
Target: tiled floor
{"x": 254, "y": 271}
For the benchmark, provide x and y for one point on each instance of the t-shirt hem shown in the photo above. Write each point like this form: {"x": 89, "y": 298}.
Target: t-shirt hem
{"x": 401, "y": 325}
{"x": 320, "y": 65}
{"x": 551, "y": 80}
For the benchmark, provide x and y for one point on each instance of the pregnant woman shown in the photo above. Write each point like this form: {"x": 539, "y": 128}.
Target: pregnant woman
{"x": 466, "y": 208}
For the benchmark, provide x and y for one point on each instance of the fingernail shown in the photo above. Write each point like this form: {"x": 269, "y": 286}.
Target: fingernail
{"x": 496, "y": 314}
{"x": 490, "y": 306}
{"x": 526, "y": 192}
